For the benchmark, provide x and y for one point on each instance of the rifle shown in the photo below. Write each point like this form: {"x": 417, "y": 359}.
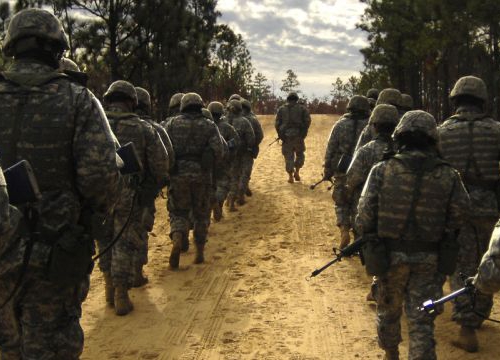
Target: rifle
{"x": 274, "y": 142}
{"x": 429, "y": 306}
{"x": 314, "y": 186}
{"x": 350, "y": 250}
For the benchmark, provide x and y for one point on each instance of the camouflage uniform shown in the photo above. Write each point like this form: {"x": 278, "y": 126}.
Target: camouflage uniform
{"x": 244, "y": 153}
{"x": 372, "y": 96}
{"x": 292, "y": 124}
{"x": 412, "y": 240}
{"x": 61, "y": 131}
{"x": 198, "y": 147}
{"x": 259, "y": 136}
{"x": 341, "y": 143}
{"x": 173, "y": 108}
{"x": 470, "y": 142}
{"x": 118, "y": 264}
{"x": 487, "y": 279}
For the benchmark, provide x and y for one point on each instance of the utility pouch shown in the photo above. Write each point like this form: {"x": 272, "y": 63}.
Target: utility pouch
{"x": 375, "y": 256}
{"x": 448, "y": 254}
{"x": 207, "y": 160}
{"x": 71, "y": 257}
{"x": 132, "y": 163}
{"x": 21, "y": 184}
{"x": 344, "y": 163}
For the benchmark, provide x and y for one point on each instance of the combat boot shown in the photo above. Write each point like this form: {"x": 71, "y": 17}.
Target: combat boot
{"x": 139, "y": 278}
{"x": 175, "y": 254}
{"x": 467, "y": 340}
{"x": 296, "y": 174}
{"x": 185, "y": 243}
{"x": 109, "y": 289}
{"x": 290, "y": 178}
{"x": 248, "y": 192}
{"x": 123, "y": 305}
{"x": 241, "y": 199}
{"x": 200, "y": 258}
{"x": 217, "y": 211}
{"x": 231, "y": 200}
{"x": 345, "y": 237}
{"x": 391, "y": 354}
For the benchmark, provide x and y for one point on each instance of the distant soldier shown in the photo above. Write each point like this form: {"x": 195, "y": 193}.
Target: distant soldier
{"x": 372, "y": 96}
{"x": 487, "y": 279}
{"x": 406, "y": 102}
{"x": 246, "y": 144}
{"x": 55, "y": 123}
{"x": 235, "y": 97}
{"x": 198, "y": 148}
{"x": 149, "y": 188}
{"x": 388, "y": 96}
{"x": 338, "y": 157}
{"x": 223, "y": 171}
{"x": 470, "y": 142}
{"x": 117, "y": 264}
{"x": 259, "y": 136}
{"x": 410, "y": 211}
{"x": 292, "y": 125}
{"x": 173, "y": 108}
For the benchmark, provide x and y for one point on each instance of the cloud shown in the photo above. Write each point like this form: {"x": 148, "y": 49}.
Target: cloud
{"x": 317, "y": 39}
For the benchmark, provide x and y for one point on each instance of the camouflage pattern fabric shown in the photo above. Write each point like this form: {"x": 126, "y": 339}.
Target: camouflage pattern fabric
{"x": 223, "y": 172}
{"x": 367, "y": 135}
{"x": 293, "y": 150}
{"x": 79, "y": 168}
{"x": 259, "y": 136}
{"x": 487, "y": 279}
{"x": 341, "y": 142}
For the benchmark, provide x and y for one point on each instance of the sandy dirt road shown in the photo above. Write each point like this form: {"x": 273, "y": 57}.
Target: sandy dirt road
{"x": 250, "y": 300}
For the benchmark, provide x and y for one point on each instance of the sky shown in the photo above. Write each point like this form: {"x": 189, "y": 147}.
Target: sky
{"x": 317, "y": 39}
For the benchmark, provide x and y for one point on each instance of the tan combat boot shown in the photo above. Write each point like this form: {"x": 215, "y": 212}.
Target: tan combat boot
{"x": 345, "y": 237}
{"x": 123, "y": 305}
{"x": 231, "y": 200}
{"x": 391, "y": 354}
{"x": 296, "y": 174}
{"x": 109, "y": 289}
{"x": 175, "y": 254}
{"x": 467, "y": 340}
{"x": 290, "y": 178}
{"x": 200, "y": 258}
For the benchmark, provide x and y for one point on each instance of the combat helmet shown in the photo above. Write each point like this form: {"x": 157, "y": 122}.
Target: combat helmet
{"x": 406, "y": 102}
{"x": 389, "y": 96}
{"x": 175, "y": 100}
{"x": 191, "y": 100}
{"x": 384, "y": 114}
{"x": 143, "y": 97}
{"x": 359, "y": 104}
{"x": 293, "y": 96}
{"x": 372, "y": 94}
{"x": 235, "y": 97}
{"x": 417, "y": 121}
{"x": 34, "y": 23}
{"x": 123, "y": 88}
{"x": 216, "y": 107}
{"x": 234, "y": 106}
{"x": 246, "y": 104}
{"x": 471, "y": 86}
{"x": 66, "y": 64}
{"x": 206, "y": 113}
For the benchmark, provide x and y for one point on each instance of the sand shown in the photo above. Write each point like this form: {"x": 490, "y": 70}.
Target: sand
{"x": 251, "y": 300}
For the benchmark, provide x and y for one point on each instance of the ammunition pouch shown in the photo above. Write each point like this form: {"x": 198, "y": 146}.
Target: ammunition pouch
{"x": 448, "y": 254}
{"x": 375, "y": 255}
{"x": 344, "y": 163}
{"x": 71, "y": 257}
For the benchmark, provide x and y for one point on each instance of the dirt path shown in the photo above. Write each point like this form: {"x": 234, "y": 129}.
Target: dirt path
{"x": 250, "y": 300}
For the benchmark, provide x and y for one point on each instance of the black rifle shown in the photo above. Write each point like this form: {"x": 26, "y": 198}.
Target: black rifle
{"x": 274, "y": 142}
{"x": 350, "y": 250}
{"x": 314, "y": 186}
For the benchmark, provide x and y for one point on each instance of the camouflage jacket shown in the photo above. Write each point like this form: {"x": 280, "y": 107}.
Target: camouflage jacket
{"x": 292, "y": 120}
{"x": 385, "y": 207}
{"x": 367, "y": 135}
{"x": 244, "y": 130}
{"x": 163, "y": 136}
{"x": 470, "y": 142}
{"x": 193, "y": 137}
{"x": 487, "y": 279}
{"x": 257, "y": 128}
{"x": 342, "y": 140}
{"x": 9, "y": 219}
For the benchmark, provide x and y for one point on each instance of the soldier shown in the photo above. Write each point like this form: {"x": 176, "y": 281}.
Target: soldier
{"x": 235, "y": 97}
{"x": 173, "y": 108}
{"x": 149, "y": 187}
{"x": 118, "y": 265}
{"x": 259, "y": 136}
{"x": 412, "y": 206}
{"x": 61, "y": 131}
{"x": 372, "y": 96}
{"x": 247, "y": 142}
{"x": 338, "y": 156}
{"x": 223, "y": 172}
{"x": 406, "y": 102}
{"x": 292, "y": 124}
{"x": 470, "y": 142}
{"x": 388, "y": 96}
{"x": 198, "y": 148}
{"x": 487, "y": 279}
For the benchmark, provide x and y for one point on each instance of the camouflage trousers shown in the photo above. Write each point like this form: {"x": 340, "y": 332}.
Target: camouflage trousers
{"x": 344, "y": 210}
{"x": 474, "y": 240}
{"x": 223, "y": 183}
{"x": 119, "y": 261}
{"x": 148, "y": 212}
{"x": 240, "y": 174}
{"x": 189, "y": 201}
{"x": 247, "y": 168}
{"x": 293, "y": 150}
{"x": 42, "y": 321}
{"x": 409, "y": 285}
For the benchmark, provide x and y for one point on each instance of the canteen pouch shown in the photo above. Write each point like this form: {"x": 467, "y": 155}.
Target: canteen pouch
{"x": 344, "y": 163}
{"x": 132, "y": 163}
{"x": 71, "y": 258}
{"x": 448, "y": 254}
{"x": 375, "y": 256}
{"x": 22, "y": 186}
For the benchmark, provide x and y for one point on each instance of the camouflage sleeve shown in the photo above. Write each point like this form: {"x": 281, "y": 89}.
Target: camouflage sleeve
{"x": 279, "y": 120}
{"x": 97, "y": 176}
{"x": 332, "y": 150}
{"x": 165, "y": 139}
{"x": 259, "y": 133}
{"x": 249, "y": 135}
{"x": 216, "y": 144}
{"x": 9, "y": 215}
{"x": 487, "y": 279}
{"x": 365, "y": 137}
{"x": 306, "y": 119}
{"x": 366, "y": 219}
{"x": 359, "y": 169}
{"x": 459, "y": 204}
{"x": 157, "y": 156}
